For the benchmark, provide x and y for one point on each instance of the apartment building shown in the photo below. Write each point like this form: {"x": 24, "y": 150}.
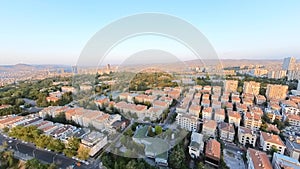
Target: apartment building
{"x": 260, "y": 99}
{"x": 219, "y": 115}
{"x": 95, "y": 141}
{"x": 276, "y": 91}
{"x": 252, "y": 120}
{"x": 207, "y": 113}
{"x": 251, "y": 87}
{"x": 187, "y": 121}
{"x": 234, "y": 118}
{"x": 230, "y": 86}
{"x": 257, "y": 160}
{"x": 196, "y": 145}
{"x": 195, "y": 110}
{"x": 246, "y": 136}
{"x": 268, "y": 140}
{"x": 213, "y": 153}
{"x": 209, "y": 128}
{"x": 280, "y": 161}
{"x": 226, "y": 131}
{"x": 293, "y": 148}
{"x": 293, "y": 119}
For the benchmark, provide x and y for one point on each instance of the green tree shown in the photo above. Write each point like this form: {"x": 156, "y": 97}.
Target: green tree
{"x": 7, "y": 159}
{"x": 158, "y": 130}
{"x": 273, "y": 150}
{"x": 200, "y": 165}
{"x": 83, "y": 153}
{"x": 177, "y": 157}
{"x": 132, "y": 165}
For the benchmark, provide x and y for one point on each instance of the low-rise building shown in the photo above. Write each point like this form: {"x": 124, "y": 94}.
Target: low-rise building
{"x": 226, "y": 131}
{"x": 95, "y": 141}
{"x": 268, "y": 140}
{"x": 213, "y": 152}
{"x": 246, "y": 136}
{"x": 257, "y": 159}
{"x": 196, "y": 145}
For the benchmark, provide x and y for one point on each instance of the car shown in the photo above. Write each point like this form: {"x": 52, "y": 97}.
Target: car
{"x": 10, "y": 141}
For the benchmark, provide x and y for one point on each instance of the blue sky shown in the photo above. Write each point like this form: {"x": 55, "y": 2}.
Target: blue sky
{"x": 42, "y": 32}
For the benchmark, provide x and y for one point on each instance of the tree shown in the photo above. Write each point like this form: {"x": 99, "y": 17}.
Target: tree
{"x": 150, "y": 131}
{"x": 200, "y": 165}
{"x": 83, "y": 153}
{"x": 273, "y": 150}
{"x": 158, "y": 130}
{"x": 56, "y": 145}
{"x": 43, "y": 141}
{"x": 264, "y": 127}
{"x": 5, "y": 129}
{"x": 35, "y": 164}
{"x": 7, "y": 159}
{"x": 72, "y": 147}
{"x": 177, "y": 157}
{"x": 132, "y": 165}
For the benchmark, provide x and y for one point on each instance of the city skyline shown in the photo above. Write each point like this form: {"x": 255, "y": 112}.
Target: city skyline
{"x": 46, "y": 33}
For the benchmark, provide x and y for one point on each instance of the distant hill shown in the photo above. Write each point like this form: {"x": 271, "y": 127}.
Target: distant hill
{"x": 28, "y": 67}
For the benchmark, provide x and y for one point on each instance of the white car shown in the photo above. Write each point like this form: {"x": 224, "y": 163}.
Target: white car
{"x": 10, "y": 141}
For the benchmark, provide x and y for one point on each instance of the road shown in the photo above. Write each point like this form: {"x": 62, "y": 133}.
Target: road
{"x": 27, "y": 151}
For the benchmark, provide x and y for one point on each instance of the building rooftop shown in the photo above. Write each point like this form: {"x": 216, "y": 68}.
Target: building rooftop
{"x": 286, "y": 162}
{"x": 213, "y": 148}
{"x": 260, "y": 159}
{"x": 226, "y": 127}
{"x": 245, "y": 130}
{"x": 272, "y": 138}
{"x": 210, "y": 124}
{"x": 234, "y": 114}
{"x": 92, "y": 138}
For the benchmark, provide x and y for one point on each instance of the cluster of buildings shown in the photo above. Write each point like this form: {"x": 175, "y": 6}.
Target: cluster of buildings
{"x": 148, "y": 106}
{"x": 244, "y": 114}
{"x": 86, "y": 118}
{"x": 94, "y": 140}
{"x": 288, "y": 69}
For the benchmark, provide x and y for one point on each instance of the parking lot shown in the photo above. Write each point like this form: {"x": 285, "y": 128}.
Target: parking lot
{"x": 233, "y": 159}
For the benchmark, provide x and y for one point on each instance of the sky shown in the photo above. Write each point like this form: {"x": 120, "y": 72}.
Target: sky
{"x": 55, "y": 32}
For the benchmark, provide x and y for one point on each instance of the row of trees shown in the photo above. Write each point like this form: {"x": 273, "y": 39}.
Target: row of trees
{"x": 34, "y": 135}
{"x": 10, "y": 110}
{"x": 112, "y": 161}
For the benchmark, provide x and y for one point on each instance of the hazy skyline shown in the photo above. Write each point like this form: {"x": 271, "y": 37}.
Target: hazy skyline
{"x": 55, "y": 32}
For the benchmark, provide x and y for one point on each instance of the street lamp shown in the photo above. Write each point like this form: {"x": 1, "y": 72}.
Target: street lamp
{"x": 17, "y": 147}
{"x": 53, "y": 158}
